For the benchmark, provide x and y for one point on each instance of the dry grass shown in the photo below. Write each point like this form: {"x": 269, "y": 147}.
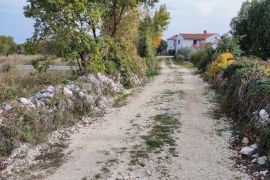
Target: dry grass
{"x": 17, "y": 83}
{"x": 17, "y": 59}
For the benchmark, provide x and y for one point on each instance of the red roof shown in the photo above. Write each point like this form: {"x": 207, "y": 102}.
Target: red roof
{"x": 193, "y": 36}
{"x": 172, "y": 38}
{"x": 197, "y": 36}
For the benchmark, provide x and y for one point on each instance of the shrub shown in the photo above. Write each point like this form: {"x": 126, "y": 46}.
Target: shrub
{"x": 222, "y": 62}
{"x": 6, "y": 93}
{"x": 179, "y": 59}
{"x": 41, "y": 64}
{"x": 229, "y": 44}
{"x": 245, "y": 87}
{"x": 7, "y": 67}
{"x": 153, "y": 67}
{"x": 186, "y": 52}
{"x": 202, "y": 58}
{"x": 32, "y": 125}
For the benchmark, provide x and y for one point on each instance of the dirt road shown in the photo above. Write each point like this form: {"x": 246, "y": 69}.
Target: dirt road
{"x": 164, "y": 132}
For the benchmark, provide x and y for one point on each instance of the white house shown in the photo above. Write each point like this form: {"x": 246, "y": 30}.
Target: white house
{"x": 193, "y": 41}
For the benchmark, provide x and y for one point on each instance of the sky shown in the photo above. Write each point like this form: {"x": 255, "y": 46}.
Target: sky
{"x": 195, "y": 16}
{"x": 187, "y": 16}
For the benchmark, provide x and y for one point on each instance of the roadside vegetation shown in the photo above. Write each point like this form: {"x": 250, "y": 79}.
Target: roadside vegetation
{"x": 241, "y": 78}
{"x": 103, "y": 39}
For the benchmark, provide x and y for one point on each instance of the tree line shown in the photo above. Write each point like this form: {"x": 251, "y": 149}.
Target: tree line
{"x": 251, "y": 28}
{"x": 110, "y": 36}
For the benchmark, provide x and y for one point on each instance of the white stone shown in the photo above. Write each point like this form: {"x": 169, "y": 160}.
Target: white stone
{"x": 262, "y": 160}
{"x": 7, "y": 107}
{"x": 1, "y": 122}
{"x": 254, "y": 160}
{"x": 24, "y": 101}
{"x": 44, "y": 95}
{"x": 263, "y": 114}
{"x": 40, "y": 103}
{"x": 51, "y": 89}
{"x": 254, "y": 146}
{"x": 255, "y": 155}
{"x": 247, "y": 151}
{"x": 67, "y": 92}
{"x": 264, "y": 172}
{"x": 256, "y": 174}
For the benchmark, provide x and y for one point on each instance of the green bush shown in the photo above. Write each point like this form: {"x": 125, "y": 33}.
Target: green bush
{"x": 186, "y": 52}
{"x": 229, "y": 44}
{"x": 153, "y": 67}
{"x": 179, "y": 59}
{"x": 41, "y": 64}
{"x": 7, "y": 93}
{"x": 245, "y": 88}
{"x": 202, "y": 58}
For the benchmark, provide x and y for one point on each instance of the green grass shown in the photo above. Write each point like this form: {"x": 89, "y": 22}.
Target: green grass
{"x": 120, "y": 100}
{"x": 220, "y": 131}
{"x": 160, "y": 135}
{"x": 168, "y": 62}
{"x": 152, "y": 73}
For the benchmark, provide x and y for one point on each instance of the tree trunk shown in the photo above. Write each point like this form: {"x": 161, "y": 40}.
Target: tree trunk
{"x": 83, "y": 57}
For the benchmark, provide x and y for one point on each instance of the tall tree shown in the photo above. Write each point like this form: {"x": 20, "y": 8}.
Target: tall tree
{"x": 150, "y": 30}
{"x": 251, "y": 28}
{"x": 71, "y": 23}
{"x": 116, "y": 11}
{"x": 74, "y": 25}
{"x": 162, "y": 46}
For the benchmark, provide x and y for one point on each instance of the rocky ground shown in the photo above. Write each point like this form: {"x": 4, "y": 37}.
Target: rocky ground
{"x": 166, "y": 130}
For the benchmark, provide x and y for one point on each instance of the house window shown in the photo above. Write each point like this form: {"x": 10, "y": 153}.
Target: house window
{"x": 179, "y": 41}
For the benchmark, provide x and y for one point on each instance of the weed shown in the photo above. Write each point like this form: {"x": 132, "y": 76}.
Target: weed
{"x": 152, "y": 73}
{"x": 160, "y": 135}
{"x": 162, "y": 131}
{"x": 221, "y": 130}
{"x": 120, "y": 100}
{"x": 97, "y": 176}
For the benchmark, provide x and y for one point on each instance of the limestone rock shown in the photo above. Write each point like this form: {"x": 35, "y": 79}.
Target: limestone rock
{"x": 44, "y": 95}
{"x": 51, "y": 89}
{"x": 255, "y": 155}
{"x": 7, "y": 107}
{"x": 254, "y": 146}
{"x": 1, "y": 122}
{"x": 24, "y": 101}
{"x": 264, "y": 172}
{"x": 67, "y": 92}
{"x": 247, "y": 151}
{"x": 254, "y": 160}
{"x": 262, "y": 160}
{"x": 263, "y": 114}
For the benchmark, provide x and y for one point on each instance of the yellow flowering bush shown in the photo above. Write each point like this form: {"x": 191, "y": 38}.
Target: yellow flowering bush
{"x": 222, "y": 62}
